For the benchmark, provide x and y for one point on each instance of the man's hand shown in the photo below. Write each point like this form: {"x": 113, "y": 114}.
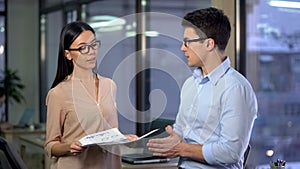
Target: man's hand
{"x": 172, "y": 147}
{"x": 165, "y": 146}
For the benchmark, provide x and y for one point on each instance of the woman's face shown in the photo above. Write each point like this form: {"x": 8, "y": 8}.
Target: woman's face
{"x": 83, "y": 51}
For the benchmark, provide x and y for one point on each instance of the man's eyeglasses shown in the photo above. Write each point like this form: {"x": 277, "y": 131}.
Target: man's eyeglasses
{"x": 86, "y": 48}
{"x": 187, "y": 41}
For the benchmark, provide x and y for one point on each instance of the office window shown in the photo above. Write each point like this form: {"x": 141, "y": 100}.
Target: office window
{"x": 2, "y": 5}
{"x": 168, "y": 67}
{"x": 3, "y": 107}
{"x": 50, "y": 27}
{"x": 117, "y": 55}
{"x": 272, "y": 66}
{"x": 54, "y": 3}
{"x": 2, "y": 43}
{"x": 115, "y": 44}
{"x": 115, "y": 25}
{"x": 114, "y": 22}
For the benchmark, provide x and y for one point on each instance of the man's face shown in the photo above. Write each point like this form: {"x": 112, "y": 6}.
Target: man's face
{"x": 194, "y": 51}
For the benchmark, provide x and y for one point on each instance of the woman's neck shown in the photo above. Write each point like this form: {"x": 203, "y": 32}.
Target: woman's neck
{"x": 83, "y": 74}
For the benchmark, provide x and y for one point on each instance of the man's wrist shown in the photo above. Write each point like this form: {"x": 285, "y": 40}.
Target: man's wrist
{"x": 183, "y": 151}
{"x": 193, "y": 151}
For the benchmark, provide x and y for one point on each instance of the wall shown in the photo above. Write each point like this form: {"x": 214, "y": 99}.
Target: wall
{"x": 228, "y": 7}
{"x": 23, "y": 52}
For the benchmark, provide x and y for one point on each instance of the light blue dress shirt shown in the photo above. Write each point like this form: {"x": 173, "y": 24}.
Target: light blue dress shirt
{"x": 218, "y": 111}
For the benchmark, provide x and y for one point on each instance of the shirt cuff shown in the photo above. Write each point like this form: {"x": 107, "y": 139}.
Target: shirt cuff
{"x": 48, "y": 148}
{"x": 208, "y": 153}
{"x": 176, "y": 130}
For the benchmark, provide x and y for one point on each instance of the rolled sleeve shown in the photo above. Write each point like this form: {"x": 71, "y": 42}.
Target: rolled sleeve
{"x": 208, "y": 155}
{"x": 177, "y": 130}
{"x": 53, "y": 124}
{"x": 48, "y": 148}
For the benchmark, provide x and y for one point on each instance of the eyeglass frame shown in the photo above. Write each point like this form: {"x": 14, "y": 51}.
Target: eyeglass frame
{"x": 88, "y": 47}
{"x": 185, "y": 41}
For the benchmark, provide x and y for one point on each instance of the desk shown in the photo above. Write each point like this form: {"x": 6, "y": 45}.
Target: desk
{"x": 12, "y": 135}
{"x": 32, "y": 152}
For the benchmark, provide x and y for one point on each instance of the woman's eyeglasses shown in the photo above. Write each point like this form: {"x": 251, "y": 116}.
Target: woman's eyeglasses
{"x": 86, "y": 48}
{"x": 187, "y": 41}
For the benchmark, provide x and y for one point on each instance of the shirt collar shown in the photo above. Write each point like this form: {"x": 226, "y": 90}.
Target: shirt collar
{"x": 198, "y": 76}
{"x": 219, "y": 71}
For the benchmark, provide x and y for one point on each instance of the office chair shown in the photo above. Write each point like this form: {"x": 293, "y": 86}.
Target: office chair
{"x": 246, "y": 155}
{"x": 161, "y": 124}
{"x": 9, "y": 157}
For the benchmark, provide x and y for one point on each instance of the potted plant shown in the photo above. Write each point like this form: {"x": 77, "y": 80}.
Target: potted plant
{"x": 13, "y": 86}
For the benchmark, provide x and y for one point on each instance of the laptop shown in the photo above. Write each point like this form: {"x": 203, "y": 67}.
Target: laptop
{"x": 143, "y": 159}
{"x": 25, "y": 119}
{"x": 145, "y": 156}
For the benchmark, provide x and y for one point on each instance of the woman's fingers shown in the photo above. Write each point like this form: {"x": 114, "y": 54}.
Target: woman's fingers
{"x": 131, "y": 137}
{"x": 76, "y": 148}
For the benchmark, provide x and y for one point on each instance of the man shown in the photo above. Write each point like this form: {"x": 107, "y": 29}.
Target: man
{"x": 218, "y": 105}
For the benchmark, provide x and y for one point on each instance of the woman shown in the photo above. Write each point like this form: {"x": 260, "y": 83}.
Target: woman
{"x": 79, "y": 103}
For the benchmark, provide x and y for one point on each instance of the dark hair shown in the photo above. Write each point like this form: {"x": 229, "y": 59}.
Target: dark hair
{"x": 67, "y": 36}
{"x": 211, "y": 23}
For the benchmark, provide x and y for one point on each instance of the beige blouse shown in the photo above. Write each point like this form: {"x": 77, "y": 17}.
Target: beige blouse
{"x": 72, "y": 113}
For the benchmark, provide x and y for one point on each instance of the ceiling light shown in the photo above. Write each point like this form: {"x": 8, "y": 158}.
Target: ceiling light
{"x": 284, "y": 4}
{"x": 147, "y": 33}
{"x": 106, "y": 23}
{"x": 1, "y": 49}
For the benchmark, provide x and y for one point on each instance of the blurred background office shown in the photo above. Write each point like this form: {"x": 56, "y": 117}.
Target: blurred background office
{"x": 264, "y": 47}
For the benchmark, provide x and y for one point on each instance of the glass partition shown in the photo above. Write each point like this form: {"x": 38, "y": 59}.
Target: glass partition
{"x": 113, "y": 22}
{"x": 3, "y": 114}
{"x": 50, "y": 27}
{"x": 2, "y": 43}
{"x": 2, "y": 5}
{"x": 272, "y": 66}
{"x": 116, "y": 25}
{"x": 3, "y": 107}
{"x": 168, "y": 68}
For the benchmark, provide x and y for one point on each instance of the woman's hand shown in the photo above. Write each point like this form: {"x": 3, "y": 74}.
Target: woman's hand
{"x": 76, "y": 148}
{"x": 131, "y": 137}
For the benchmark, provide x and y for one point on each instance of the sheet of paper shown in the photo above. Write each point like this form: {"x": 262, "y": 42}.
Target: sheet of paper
{"x": 109, "y": 137}
{"x": 147, "y": 134}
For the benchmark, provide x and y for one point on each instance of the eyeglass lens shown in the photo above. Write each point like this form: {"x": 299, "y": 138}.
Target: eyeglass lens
{"x": 86, "y": 49}
{"x": 186, "y": 41}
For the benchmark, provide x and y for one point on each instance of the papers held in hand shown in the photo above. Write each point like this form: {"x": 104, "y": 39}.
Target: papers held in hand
{"x": 109, "y": 137}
